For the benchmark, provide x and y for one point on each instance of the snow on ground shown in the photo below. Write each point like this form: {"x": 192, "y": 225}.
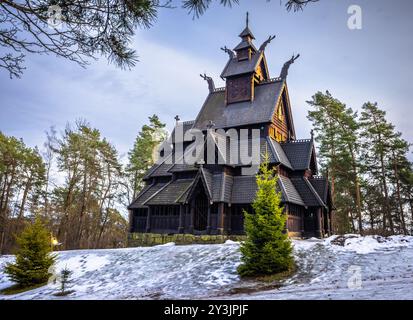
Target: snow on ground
{"x": 350, "y": 267}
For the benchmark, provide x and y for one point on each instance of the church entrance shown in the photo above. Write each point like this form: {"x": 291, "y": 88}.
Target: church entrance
{"x": 201, "y": 212}
{"x": 309, "y": 223}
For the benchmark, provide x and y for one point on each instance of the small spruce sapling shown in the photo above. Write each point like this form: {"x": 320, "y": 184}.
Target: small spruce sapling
{"x": 267, "y": 249}
{"x": 65, "y": 280}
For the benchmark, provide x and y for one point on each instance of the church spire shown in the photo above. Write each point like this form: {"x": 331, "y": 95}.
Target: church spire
{"x": 246, "y": 34}
{"x": 246, "y": 68}
{"x": 245, "y": 49}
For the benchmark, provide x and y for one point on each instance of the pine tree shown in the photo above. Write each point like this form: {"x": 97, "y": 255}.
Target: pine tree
{"x": 337, "y": 131}
{"x": 399, "y": 165}
{"x": 65, "y": 275}
{"x": 378, "y": 136}
{"x": 22, "y": 173}
{"x": 267, "y": 249}
{"x": 141, "y": 157}
{"x": 406, "y": 180}
{"x": 93, "y": 174}
{"x": 34, "y": 258}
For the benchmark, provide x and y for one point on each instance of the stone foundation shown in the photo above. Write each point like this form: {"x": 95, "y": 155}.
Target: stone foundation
{"x": 153, "y": 239}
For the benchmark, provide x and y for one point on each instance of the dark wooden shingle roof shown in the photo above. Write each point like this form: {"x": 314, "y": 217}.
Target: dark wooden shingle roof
{"x": 247, "y": 32}
{"x": 147, "y": 192}
{"x": 170, "y": 193}
{"x": 289, "y": 192}
{"x": 235, "y": 68}
{"x": 279, "y": 154}
{"x": 222, "y": 187}
{"x": 242, "y": 113}
{"x": 320, "y": 184}
{"x": 245, "y": 188}
{"x": 299, "y": 153}
{"x": 307, "y": 192}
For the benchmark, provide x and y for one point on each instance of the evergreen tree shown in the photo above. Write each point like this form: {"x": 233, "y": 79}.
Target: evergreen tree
{"x": 366, "y": 161}
{"x": 92, "y": 185}
{"x": 337, "y": 131}
{"x": 399, "y": 166}
{"x": 267, "y": 249}
{"x": 406, "y": 181}
{"x": 141, "y": 157}
{"x": 65, "y": 275}
{"x": 33, "y": 258}
{"x": 378, "y": 137}
{"x": 22, "y": 176}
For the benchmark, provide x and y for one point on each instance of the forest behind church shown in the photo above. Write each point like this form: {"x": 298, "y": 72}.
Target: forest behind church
{"x": 77, "y": 183}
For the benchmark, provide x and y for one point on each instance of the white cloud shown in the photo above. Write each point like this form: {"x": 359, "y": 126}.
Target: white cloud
{"x": 166, "y": 82}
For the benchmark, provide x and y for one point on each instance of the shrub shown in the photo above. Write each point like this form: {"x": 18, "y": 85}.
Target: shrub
{"x": 267, "y": 249}
{"x": 33, "y": 258}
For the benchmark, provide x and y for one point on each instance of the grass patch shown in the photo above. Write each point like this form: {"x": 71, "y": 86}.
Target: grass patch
{"x": 278, "y": 277}
{"x": 63, "y": 294}
{"x": 15, "y": 289}
{"x": 263, "y": 282}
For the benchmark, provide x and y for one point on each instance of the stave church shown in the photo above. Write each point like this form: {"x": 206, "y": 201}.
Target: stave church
{"x": 205, "y": 198}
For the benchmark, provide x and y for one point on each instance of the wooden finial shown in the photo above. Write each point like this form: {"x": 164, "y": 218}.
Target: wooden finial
{"x": 211, "y": 84}
{"x": 248, "y": 19}
{"x": 210, "y": 124}
{"x": 286, "y": 66}
{"x": 312, "y": 134}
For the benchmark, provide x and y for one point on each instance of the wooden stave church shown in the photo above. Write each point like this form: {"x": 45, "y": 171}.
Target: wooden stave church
{"x": 210, "y": 199}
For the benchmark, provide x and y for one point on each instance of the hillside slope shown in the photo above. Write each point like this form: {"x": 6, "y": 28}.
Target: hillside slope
{"x": 326, "y": 269}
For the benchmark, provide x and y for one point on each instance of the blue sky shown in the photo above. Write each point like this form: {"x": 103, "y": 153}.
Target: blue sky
{"x": 371, "y": 64}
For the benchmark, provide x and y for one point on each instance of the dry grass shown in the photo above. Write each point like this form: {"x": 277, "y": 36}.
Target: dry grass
{"x": 15, "y": 289}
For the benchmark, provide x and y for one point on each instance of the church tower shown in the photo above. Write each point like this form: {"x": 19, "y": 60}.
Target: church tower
{"x": 246, "y": 68}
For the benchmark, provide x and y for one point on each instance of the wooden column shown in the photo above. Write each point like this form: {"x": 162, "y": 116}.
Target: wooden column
{"x": 318, "y": 232}
{"x": 192, "y": 217}
{"x": 181, "y": 228}
{"x": 148, "y": 221}
{"x": 302, "y": 221}
{"x": 229, "y": 215}
{"x": 208, "y": 229}
{"x": 220, "y": 222}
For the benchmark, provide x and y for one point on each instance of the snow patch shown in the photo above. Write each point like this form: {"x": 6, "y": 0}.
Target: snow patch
{"x": 367, "y": 244}
{"x": 209, "y": 271}
{"x": 231, "y": 242}
{"x": 81, "y": 264}
{"x": 169, "y": 244}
